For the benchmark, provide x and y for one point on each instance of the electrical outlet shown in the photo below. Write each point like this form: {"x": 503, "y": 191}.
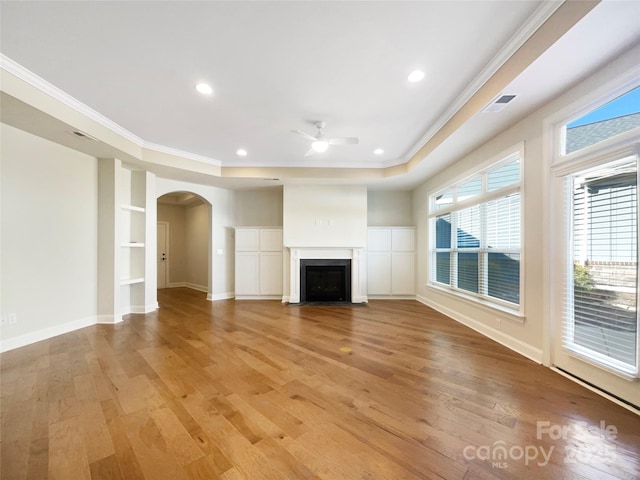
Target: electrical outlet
{"x": 13, "y": 318}
{"x": 5, "y": 319}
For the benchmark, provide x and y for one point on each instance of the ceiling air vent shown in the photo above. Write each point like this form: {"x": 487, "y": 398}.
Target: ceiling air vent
{"x": 499, "y": 103}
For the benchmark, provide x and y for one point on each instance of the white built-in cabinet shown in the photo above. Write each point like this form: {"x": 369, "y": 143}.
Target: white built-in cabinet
{"x": 391, "y": 261}
{"x": 259, "y": 259}
{"x": 132, "y": 244}
{"x": 126, "y": 261}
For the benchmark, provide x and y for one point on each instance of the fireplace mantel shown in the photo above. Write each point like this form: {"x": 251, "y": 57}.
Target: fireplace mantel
{"x": 358, "y": 274}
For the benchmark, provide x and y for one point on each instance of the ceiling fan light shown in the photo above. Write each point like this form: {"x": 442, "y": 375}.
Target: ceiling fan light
{"x": 320, "y": 146}
{"x": 416, "y": 76}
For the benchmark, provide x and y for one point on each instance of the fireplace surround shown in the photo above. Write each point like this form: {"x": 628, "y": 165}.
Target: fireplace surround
{"x": 323, "y": 256}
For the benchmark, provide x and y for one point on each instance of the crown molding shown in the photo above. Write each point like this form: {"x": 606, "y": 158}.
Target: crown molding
{"x": 54, "y": 92}
{"x": 181, "y": 153}
{"x": 535, "y": 21}
{"x": 41, "y": 84}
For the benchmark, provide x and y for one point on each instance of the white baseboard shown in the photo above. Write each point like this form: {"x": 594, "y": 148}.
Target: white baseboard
{"x": 392, "y": 297}
{"x": 193, "y": 286}
{"x": 108, "y": 319}
{"x": 141, "y": 308}
{"x": 46, "y": 333}
{"x": 258, "y": 297}
{"x": 502, "y": 338}
{"x": 212, "y": 297}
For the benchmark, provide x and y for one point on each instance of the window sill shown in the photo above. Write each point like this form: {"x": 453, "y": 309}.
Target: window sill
{"x": 493, "y": 308}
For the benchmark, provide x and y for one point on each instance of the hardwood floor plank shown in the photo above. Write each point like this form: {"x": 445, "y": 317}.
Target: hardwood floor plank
{"x": 106, "y": 468}
{"x": 246, "y": 390}
{"x": 67, "y": 453}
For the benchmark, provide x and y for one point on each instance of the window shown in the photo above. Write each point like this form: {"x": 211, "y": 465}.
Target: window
{"x": 601, "y": 307}
{"x": 599, "y": 314}
{"x": 618, "y": 116}
{"x": 475, "y": 244}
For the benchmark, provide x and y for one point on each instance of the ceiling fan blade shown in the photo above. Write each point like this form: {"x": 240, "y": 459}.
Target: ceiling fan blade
{"x": 343, "y": 141}
{"x": 310, "y": 152}
{"x": 305, "y": 135}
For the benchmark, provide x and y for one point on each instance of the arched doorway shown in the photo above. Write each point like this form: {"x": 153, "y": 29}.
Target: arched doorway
{"x": 183, "y": 241}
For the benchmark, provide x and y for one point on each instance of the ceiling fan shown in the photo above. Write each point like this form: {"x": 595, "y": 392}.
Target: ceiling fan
{"x": 320, "y": 143}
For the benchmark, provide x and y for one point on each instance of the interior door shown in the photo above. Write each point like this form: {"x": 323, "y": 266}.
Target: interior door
{"x": 163, "y": 254}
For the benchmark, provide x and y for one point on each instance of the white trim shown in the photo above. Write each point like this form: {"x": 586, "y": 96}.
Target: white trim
{"x": 602, "y": 393}
{"x": 108, "y": 320}
{"x": 142, "y": 308}
{"x": 212, "y": 297}
{"x": 492, "y": 307}
{"x": 54, "y": 92}
{"x": 195, "y": 286}
{"x": 518, "y": 346}
{"x": 534, "y": 22}
{"x": 183, "y": 154}
{"x": 391, "y": 297}
{"x": 47, "y": 88}
{"x": 46, "y": 333}
{"x": 258, "y": 297}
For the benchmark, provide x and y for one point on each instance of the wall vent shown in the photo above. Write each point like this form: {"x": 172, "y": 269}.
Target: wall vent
{"x": 499, "y": 103}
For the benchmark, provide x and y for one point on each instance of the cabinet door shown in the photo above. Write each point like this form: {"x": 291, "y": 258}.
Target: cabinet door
{"x": 378, "y": 273}
{"x": 378, "y": 239}
{"x": 403, "y": 239}
{"x": 247, "y": 270}
{"x": 271, "y": 240}
{"x": 271, "y": 273}
{"x": 247, "y": 239}
{"x": 402, "y": 273}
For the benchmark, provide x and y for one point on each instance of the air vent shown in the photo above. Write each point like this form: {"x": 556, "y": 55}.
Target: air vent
{"x": 83, "y": 135}
{"x": 499, "y": 103}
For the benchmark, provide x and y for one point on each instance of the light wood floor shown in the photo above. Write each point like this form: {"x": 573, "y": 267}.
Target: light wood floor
{"x": 255, "y": 389}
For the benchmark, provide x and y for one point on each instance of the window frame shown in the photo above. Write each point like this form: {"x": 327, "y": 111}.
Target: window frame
{"x": 560, "y": 166}
{"x": 482, "y": 199}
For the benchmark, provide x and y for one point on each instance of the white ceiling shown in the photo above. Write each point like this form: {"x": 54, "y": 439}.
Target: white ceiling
{"x": 279, "y": 66}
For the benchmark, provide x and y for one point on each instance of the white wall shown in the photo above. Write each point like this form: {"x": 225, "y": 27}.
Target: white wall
{"x": 325, "y": 216}
{"x": 221, "y": 274}
{"x": 258, "y": 208}
{"x": 49, "y": 237}
{"x": 389, "y": 208}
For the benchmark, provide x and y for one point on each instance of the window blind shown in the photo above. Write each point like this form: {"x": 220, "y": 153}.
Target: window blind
{"x": 476, "y": 234}
{"x": 601, "y": 297}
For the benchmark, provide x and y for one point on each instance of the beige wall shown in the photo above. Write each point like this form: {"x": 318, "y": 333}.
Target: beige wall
{"x": 175, "y": 216}
{"x": 325, "y": 216}
{"x": 258, "y": 208}
{"x": 221, "y": 260}
{"x": 389, "y": 208}
{"x": 49, "y": 237}
{"x": 197, "y": 245}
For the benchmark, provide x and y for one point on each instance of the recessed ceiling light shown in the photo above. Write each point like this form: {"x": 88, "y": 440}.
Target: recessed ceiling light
{"x": 415, "y": 76}
{"x": 241, "y": 152}
{"x": 204, "y": 88}
{"x": 378, "y": 151}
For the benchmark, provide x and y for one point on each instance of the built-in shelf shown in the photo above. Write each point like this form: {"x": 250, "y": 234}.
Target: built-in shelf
{"x": 131, "y": 281}
{"x": 132, "y": 208}
{"x": 132, "y": 244}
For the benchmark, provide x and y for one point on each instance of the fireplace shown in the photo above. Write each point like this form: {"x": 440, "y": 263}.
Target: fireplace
{"x": 325, "y": 280}
{"x": 348, "y": 257}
